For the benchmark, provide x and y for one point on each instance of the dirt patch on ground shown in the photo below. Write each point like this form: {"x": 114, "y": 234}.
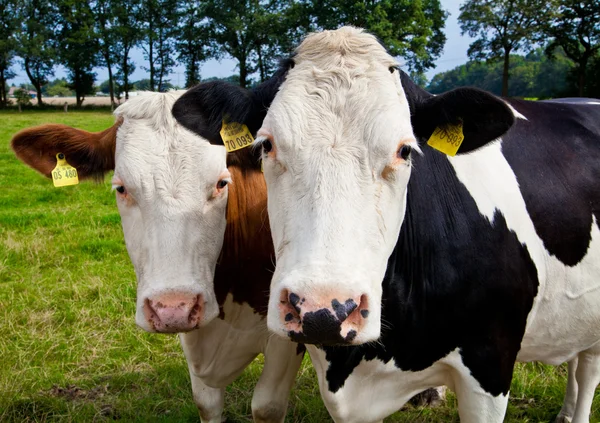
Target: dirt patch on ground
{"x": 73, "y": 392}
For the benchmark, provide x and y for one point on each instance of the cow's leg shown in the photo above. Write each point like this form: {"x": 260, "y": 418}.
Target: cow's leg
{"x": 210, "y": 401}
{"x": 271, "y": 394}
{"x": 568, "y": 408}
{"x": 588, "y": 377}
{"x": 474, "y": 404}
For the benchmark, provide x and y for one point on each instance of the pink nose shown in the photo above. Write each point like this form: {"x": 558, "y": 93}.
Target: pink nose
{"x": 174, "y": 312}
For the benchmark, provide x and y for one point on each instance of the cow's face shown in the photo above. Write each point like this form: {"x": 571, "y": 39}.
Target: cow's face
{"x": 171, "y": 190}
{"x": 337, "y": 145}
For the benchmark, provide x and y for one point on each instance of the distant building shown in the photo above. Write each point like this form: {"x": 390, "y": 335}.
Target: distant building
{"x": 11, "y": 92}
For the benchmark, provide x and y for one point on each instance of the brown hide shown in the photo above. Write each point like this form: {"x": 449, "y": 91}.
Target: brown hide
{"x": 91, "y": 153}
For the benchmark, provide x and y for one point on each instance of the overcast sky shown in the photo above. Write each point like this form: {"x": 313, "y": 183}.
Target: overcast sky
{"x": 455, "y": 53}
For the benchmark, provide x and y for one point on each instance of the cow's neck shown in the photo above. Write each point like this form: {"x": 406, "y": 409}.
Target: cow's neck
{"x": 247, "y": 261}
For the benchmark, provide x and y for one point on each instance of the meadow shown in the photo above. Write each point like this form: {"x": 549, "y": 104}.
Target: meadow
{"x": 69, "y": 347}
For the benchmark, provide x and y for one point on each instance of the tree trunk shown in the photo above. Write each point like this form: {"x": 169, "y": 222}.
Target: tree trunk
{"x": 581, "y": 68}
{"x": 110, "y": 81}
{"x": 3, "y": 96}
{"x": 126, "y": 74}
{"x": 261, "y": 65}
{"x": 150, "y": 49}
{"x": 505, "y": 74}
{"x": 243, "y": 72}
{"x": 34, "y": 81}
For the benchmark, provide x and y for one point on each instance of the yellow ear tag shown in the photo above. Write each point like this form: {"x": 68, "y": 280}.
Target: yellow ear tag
{"x": 447, "y": 139}
{"x": 64, "y": 174}
{"x": 235, "y": 136}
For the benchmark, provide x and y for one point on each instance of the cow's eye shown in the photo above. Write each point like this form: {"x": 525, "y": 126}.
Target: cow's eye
{"x": 267, "y": 146}
{"x": 121, "y": 189}
{"x": 222, "y": 184}
{"x": 404, "y": 152}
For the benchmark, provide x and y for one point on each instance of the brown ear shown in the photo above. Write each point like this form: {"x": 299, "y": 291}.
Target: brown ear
{"x": 91, "y": 153}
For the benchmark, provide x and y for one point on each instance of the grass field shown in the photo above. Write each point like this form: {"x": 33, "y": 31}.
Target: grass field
{"x": 69, "y": 347}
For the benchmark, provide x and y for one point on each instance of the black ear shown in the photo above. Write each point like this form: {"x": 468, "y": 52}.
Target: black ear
{"x": 484, "y": 116}
{"x": 201, "y": 109}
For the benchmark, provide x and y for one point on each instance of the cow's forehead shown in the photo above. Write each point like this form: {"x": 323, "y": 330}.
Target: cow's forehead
{"x": 150, "y": 141}
{"x": 340, "y": 92}
{"x": 347, "y": 47}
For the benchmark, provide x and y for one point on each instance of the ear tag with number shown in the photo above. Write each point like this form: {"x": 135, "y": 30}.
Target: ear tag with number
{"x": 447, "y": 139}
{"x": 236, "y": 136}
{"x": 64, "y": 174}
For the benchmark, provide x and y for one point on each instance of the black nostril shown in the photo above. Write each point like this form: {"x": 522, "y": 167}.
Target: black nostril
{"x": 364, "y": 313}
{"x": 342, "y": 311}
{"x": 294, "y": 300}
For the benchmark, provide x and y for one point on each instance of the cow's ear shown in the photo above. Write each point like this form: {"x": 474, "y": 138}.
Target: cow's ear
{"x": 484, "y": 117}
{"x": 202, "y": 108}
{"x": 91, "y": 153}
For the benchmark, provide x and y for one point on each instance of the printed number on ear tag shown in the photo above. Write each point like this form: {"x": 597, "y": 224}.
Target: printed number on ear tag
{"x": 236, "y": 136}
{"x": 64, "y": 174}
{"x": 447, "y": 139}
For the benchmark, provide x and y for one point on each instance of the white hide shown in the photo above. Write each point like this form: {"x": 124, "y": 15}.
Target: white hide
{"x": 554, "y": 333}
{"x": 172, "y": 221}
{"x": 334, "y": 217}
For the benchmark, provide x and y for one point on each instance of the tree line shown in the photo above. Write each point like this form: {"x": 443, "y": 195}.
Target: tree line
{"x": 81, "y": 35}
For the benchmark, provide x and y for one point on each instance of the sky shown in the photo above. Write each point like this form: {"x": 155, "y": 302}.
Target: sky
{"x": 455, "y": 54}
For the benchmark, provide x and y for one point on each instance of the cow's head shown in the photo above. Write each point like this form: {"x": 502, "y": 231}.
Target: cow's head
{"x": 337, "y": 142}
{"x": 171, "y": 188}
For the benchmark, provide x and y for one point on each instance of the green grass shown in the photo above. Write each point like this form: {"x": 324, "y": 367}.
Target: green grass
{"x": 69, "y": 347}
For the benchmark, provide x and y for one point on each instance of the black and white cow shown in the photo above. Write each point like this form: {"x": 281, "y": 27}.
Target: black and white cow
{"x": 436, "y": 269}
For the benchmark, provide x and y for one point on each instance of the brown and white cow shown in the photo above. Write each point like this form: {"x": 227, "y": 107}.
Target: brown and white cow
{"x": 197, "y": 232}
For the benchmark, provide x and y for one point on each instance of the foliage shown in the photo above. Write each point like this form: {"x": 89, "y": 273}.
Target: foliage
{"x": 78, "y": 46}
{"x": 411, "y": 29}
{"x": 533, "y": 75}
{"x": 22, "y": 96}
{"x": 106, "y": 29}
{"x": 158, "y": 42}
{"x": 105, "y": 87}
{"x": 8, "y": 44}
{"x": 500, "y": 27}
{"x": 192, "y": 40}
{"x": 253, "y": 31}
{"x": 575, "y": 27}
{"x": 58, "y": 87}
{"x": 37, "y": 41}
{"x": 145, "y": 85}
{"x": 127, "y": 33}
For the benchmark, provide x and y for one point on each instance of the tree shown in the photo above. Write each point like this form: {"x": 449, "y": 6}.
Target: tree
{"x": 127, "y": 35}
{"x": 158, "y": 46}
{"x": 106, "y": 24}
{"x": 78, "y": 46}
{"x": 411, "y": 29}
{"x": 58, "y": 87}
{"x": 575, "y": 26}
{"x": 193, "y": 41}
{"x": 8, "y": 45}
{"x": 22, "y": 97}
{"x": 501, "y": 27}
{"x": 251, "y": 32}
{"x": 36, "y": 41}
{"x": 533, "y": 75}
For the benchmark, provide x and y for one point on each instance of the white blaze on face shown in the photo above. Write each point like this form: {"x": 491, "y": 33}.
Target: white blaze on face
{"x": 336, "y": 177}
{"x": 172, "y": 209}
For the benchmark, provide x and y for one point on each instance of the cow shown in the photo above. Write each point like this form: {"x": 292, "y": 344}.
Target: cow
{"x": 404, "y": 267}
{"x": 186, "y": 223}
